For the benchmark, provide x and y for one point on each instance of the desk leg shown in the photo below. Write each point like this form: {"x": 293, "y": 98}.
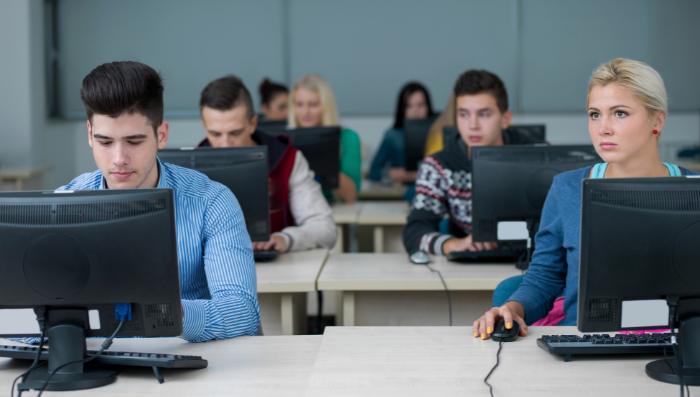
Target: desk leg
{"x": 338, "y": 249}
{"x": 293, "y": 313}
{"x": 348, "y": 309}
{"x": 378, "y": 239}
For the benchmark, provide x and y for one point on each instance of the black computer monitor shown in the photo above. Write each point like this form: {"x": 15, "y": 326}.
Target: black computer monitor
{"x": 511, "y": 183}
{"x": 271, "y": 125}
{"x": 77, "y": 255}
{"x": 244, "y": 170}
{"x": 321, "y": 147}
{"x": 534, "y": 133}
{"x": 640, "y": 263}
{"x": 415, "y": 134}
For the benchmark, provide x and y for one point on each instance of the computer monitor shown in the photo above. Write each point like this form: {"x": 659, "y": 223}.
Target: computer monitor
{"x": 511, "y": 183}
{"x": 271, "y": 125}
{"x": 640, "y": 263}
{"x": 77, "y": 255}
{"x": 321, "y": 147}
{"x": 535, "y": 133}
{"x": 244, "y": 170}
{"x": 415, "y": 134}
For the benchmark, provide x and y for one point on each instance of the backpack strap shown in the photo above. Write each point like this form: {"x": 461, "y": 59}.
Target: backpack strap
{"x": 673, "y": 169}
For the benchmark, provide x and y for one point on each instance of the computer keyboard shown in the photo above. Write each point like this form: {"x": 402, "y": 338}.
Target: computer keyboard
{"x": 510, "y": 250}
{"x": 114, "y": 357}
{"x": 264, "y": 256}
{"x": 605, "y": 344}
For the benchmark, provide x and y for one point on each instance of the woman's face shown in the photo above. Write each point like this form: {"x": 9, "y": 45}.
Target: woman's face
{"x": 307, "y": 108}
{"x": 619, "y": 125}
{"x": 277, "y": 108}
{"x": 416, "y": 106}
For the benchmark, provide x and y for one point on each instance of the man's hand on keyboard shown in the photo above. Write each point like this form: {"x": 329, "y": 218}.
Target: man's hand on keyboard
{"x": 466, "y": 244}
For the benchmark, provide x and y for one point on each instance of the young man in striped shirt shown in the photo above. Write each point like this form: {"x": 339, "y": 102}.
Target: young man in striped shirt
{"x": 124, "y": 106}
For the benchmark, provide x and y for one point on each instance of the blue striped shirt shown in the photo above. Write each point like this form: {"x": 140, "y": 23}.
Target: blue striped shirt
{"x": 215, "y": 255}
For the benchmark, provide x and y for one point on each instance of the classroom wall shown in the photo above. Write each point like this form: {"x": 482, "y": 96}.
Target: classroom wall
{"x": 29, "y": 137}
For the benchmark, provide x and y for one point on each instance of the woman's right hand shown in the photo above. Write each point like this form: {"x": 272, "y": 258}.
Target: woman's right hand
{"x": 511, "y": 311}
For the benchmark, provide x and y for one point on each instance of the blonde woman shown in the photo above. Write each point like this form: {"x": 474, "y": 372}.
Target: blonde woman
{"x": 312, "y": 104}
{"x": 627, "y": 109}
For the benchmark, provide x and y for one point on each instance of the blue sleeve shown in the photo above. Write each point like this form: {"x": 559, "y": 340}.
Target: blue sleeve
{"x": 230, "y": 271}
{"x": 380, "y": 160}
{"x": 545, "y": 279}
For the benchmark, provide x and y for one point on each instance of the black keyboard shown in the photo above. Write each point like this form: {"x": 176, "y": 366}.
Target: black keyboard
{"x": 114, "y": 358}
{"x": 264, "y": 256}
{"x": 605, "y": 344}
{"x": 510, "y": 250}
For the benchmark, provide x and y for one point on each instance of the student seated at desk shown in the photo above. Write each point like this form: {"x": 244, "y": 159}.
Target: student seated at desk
{"x": 124, "y": 106}
{"x": 413, "y": 103}
{"x": 627, "y": 109}
{"x": 312, "y": 104}
{"x": 300, "y": 217}
{"x": 444, "y": 179}
{"x": 274, "y": 101}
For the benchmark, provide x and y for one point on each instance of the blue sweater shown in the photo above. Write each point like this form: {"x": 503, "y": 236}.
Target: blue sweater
{"x": 555, "y": 263}
{"x": 390, "y": 151}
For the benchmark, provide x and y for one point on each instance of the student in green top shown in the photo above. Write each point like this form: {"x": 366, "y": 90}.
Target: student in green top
{"x": 312, "y": 104}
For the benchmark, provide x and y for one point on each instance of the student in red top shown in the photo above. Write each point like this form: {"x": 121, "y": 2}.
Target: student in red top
{"x": 300, "y": 217}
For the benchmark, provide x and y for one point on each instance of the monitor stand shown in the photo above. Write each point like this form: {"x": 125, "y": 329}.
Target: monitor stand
{"x": 533, "y": 225}
{"x": 688, "y": 352}
{"x": 67, "y": 344}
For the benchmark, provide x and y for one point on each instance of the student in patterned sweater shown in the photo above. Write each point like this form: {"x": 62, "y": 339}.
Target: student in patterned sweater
{"x": 444, "y": 180}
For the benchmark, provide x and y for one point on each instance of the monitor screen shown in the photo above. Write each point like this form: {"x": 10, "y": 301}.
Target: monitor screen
{"x": 534, "y": 133}
{"x": 511, "y": 183}
{"x": 271, "y": 125}
{"x": 415, "y": 134}
{"x": 321, "y": 147}
{"x": 244, "y": 170}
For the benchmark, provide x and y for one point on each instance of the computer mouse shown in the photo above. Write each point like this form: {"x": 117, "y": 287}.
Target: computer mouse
{"x": 502, "y": 334}
{"x": 419, "y": 258}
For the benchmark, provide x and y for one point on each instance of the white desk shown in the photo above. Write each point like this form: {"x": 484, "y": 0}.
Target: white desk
{"x": 245, "y": 366}
{"x": 373, "y": 190}
{"x": 282, "y": 288}
{"x": 345, "y": 215}
{"x": 387, "y": 289}
{"x": 381, "y": 214}
{"x": 449, "y": 361}
{"x": 16, "y": 179}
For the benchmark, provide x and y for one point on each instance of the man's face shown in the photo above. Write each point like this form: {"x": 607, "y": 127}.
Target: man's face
{"x": 229, "y": 128}
{"x": 125, "y": 149}
{"x": 479, "y": 120}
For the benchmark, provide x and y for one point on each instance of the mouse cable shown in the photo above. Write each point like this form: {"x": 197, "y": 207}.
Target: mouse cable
{"x": 40, "y": 312}
{"x": 104, "y": 347}
{"x": 449, "y": 301}
{"x": 486, "y": 379}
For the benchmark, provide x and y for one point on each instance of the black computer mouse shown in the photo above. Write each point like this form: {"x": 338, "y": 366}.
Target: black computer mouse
{"x": 502, "y": 334}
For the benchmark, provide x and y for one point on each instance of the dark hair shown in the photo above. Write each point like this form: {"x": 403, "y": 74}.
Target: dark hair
{"x": 473, "y": 82}
{"x": 225, "y": 94}
{"x": 406, "y": 91}
{"x": 269, "y": 91}
{"x": 113, "y": 89}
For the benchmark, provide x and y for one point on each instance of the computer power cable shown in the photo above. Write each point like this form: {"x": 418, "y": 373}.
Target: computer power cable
{"x": 40, "y": 312}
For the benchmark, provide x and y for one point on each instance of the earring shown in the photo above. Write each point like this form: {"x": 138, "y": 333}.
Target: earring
{"x": 656, "y": 132}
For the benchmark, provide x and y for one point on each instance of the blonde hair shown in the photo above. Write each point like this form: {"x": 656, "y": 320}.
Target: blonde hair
{"x": 316, "y": 83}
{"x": 447, "y": 118}
{"x": 638, "y": 78}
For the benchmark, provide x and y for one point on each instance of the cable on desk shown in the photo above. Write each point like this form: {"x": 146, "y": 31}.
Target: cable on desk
{"x": 486, "y": 379}
{"x": 40, "y": 312}
{"x": 449, "y": 301}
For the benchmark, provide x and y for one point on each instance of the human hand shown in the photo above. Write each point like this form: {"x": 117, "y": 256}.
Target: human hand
{"x": 511, "y": 311}
{"x": 276, "y": 243}
{"x": 466, "y": 244}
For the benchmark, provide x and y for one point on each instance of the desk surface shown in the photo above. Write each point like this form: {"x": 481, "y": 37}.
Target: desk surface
{"x": 449, "y": 361}
{"x": 373, "y": 190}
{"x": 394, "y": 272}
{"x": 346, "y": 213}
{"x": 384, "y": 213}
{"x": 291, "y": 272}
{"x": 246, "y": 366}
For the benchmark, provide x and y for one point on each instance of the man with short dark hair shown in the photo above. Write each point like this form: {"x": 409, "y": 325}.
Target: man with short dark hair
{"x": 444, "y": 179}
{"x": 300, "y": 217}
{"x": 124, "y": 106}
